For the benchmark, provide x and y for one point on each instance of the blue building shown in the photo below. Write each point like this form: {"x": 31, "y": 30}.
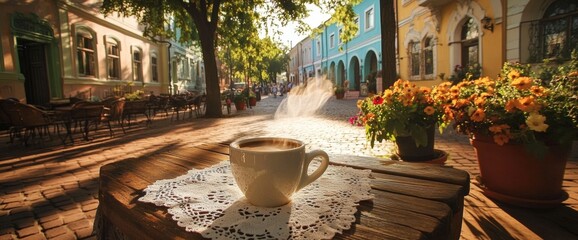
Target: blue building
{"x": 355, "y": 61}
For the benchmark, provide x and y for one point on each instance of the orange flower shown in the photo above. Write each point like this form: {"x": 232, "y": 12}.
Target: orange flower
{"x": 538, "y": 91}
{"x": 425, "y": 90}
{"x": 387, "y": 95}
{"x": 455, "y": 91}
{"x": 369, "y": 116}
{"x": 522, "y": 83}
{"x": 513, "y": 74}
{"x": 527, "y": 104}
{"x": 511, "y": 105}
{"x": 501, "y": 139}
{"x": 460, "y": 102}
{"x": 429, "y": 110}
{"x": 501, "y": 128}
{"x": 480, "y": 101}
{"x": 478, "y": 115}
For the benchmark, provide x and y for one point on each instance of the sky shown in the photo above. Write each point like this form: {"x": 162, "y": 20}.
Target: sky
{"x": 290, "y": 34}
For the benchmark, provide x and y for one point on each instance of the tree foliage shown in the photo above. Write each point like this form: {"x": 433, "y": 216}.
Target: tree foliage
{"x": 231, "y": 25}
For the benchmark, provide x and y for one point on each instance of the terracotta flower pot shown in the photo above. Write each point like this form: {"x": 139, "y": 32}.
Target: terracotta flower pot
{"x": 408, "y": 151}
{"x": 439, "y": 157}
{"x": 252, "y": 101}
{"x": 240, "y": 105}
{"x": 510, "y": 174}
{"x": 340, "y": 95}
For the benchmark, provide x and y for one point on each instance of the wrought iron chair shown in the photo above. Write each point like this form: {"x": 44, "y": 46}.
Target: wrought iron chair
{"x": 114, "y": 112}
{"x": 26, "y": 121}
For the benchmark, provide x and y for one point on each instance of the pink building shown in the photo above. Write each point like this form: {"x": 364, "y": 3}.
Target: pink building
{"x": 59, "y": 49}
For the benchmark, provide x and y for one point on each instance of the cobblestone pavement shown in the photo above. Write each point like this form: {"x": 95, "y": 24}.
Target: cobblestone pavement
{"x": 50, "y": 191}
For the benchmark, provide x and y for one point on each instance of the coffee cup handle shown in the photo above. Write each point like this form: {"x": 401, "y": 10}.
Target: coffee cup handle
{"x": 307, "y": 179}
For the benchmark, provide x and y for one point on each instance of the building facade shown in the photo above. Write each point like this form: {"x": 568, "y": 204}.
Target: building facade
{"x": 438, "y": 38}
{"x": 59, "y": 49}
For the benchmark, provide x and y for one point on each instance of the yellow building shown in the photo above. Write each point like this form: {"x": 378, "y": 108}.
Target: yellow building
{"x": 437, "y": 37}
{"x": 67, "y": 48}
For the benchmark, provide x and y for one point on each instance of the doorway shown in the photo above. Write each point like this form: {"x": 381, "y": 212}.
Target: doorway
{"x": 33, "y": 65}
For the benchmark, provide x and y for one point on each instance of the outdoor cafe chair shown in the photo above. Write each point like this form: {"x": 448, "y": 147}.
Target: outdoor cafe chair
{"x": 87, "y": 114}
{"x": 178, "y": 104}
{"x": 133, "y": 108}
{"x": 113, "y": 112}
{"x": 26, "y": 121}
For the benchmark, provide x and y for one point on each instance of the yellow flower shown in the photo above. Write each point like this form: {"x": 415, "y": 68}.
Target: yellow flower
{"x": 513, "y": 74}
{"x": 536, "y": 122}
{"x": 478, "y": 115}
{"x": 359, "y": 103}
{"x": 429, "y": 110}
{"x": 522, "y": 83}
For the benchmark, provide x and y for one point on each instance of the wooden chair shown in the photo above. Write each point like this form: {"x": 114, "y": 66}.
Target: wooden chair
{"x": 178, "y": 104}
{"x": 86, "y": 114}
{"x": 26, "y": 121}
{"x": 114, "y": 112}
{"x": 198, "y": 105}
{"x": 133, "y": 108}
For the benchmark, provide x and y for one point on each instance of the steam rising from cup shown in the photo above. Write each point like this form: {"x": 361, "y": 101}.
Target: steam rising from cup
{"x": 305, "y": 100}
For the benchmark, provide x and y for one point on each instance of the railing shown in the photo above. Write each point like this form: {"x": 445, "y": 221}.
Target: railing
{"x": 552, "y": 39}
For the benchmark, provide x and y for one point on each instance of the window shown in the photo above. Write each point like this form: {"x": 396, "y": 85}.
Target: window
{"x": 137, "y": 66}
{"x": 155, "y": 69}
{"x": 428, "y": 56}
{"x": 469, "y": 37}
{"x": 85, "y": 53}
{"x": 421, "y": 58}
{"x": 339, "y": 36}
{"x": 332, "y": 40}
{"x": 560, "y": 29}
{"x": 318, "y": 46}
{"x": 356, "y": 20}
{"x": 113, "y": 59}
{"x": 414, "y": 58}
{"x": 369, "y": 19}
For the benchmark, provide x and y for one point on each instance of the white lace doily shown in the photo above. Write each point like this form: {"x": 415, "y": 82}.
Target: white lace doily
{"x": 209, "y": 202}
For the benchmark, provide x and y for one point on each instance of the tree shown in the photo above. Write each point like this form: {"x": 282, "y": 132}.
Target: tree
{"x": 388, "y": 32}
{"x": 199, "y": 21}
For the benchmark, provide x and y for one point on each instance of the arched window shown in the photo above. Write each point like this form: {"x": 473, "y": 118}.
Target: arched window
{"x": 85, "y": 45}
{"x": 154, "y": 68}
{"x": 469, "y": 39}
{"x": 560, "y": 29}
{"x": 113, "y": 58}
{"x": 414, "y": 58}
{"x": 428, "y": 56}
{"x": 137, "y": 74}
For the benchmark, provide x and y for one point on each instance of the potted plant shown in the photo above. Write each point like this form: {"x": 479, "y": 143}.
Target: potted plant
{"x": 521, "y": 128}
{"x": 405, "y": 114}
{"x": 240, "y": 101}
{"x": 252, "y": 98}
{"x": 339, "y": 92}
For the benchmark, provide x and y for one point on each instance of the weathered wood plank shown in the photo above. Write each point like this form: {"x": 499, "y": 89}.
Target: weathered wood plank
{"x": 426, "y": 171}
{"x": 404, "y": 207}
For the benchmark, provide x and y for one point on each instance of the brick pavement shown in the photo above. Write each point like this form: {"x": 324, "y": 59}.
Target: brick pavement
{"x": 50, "y": 191}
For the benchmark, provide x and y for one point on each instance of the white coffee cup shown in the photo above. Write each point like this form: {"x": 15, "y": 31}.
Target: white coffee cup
{"x": 269, "y": 170}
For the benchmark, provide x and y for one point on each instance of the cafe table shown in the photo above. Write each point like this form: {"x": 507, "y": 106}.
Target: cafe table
{"x": 411, "y": 200}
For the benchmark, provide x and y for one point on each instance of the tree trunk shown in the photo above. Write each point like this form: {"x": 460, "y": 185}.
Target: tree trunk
{"x": 388, "y": 31}
{"x": 213, "y": 104}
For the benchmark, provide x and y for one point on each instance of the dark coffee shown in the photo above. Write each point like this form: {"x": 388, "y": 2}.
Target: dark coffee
{"x": 268, "y": 145}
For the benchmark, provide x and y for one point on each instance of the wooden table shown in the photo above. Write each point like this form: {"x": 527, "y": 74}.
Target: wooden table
{"x": 412, "y": 200}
